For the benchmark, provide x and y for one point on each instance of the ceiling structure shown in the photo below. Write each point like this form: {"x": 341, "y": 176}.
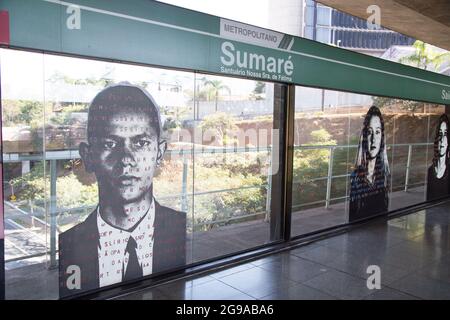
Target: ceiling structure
{"x": 428, "y": 21}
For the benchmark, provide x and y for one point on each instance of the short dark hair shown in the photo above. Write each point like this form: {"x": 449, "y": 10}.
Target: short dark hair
{"x": 122, "y": 97}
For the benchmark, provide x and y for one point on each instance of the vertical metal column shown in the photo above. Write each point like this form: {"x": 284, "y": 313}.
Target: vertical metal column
{"x": 323, "y": 100}
{"x": 282, "y": 162}
{"x": 408, "y": 165}
{"x": 184, "y": 206}
{"x": 53, "y": 173}
{"x": 329, "y": 177}
{"x": 289, "y": 159}
{"x": 268, "y": 193}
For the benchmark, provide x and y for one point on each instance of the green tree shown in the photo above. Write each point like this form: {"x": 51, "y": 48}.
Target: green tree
{"x": 310, "y": 164}
{"x": 215, "y": 87}
{"x": 31, "y": 112}
{"x": 103, "y": 81}
{"x": 260, "y": 88}
{"x": 176, "y": 116}
{"x": 221, "y": 123}
{"x": 408, "y": 105}
{"x": 425, "y": 57}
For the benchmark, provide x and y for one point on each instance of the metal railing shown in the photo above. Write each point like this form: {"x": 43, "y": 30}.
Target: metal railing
{"x": 53, "y": 211}
{"x": 330, "y": 175}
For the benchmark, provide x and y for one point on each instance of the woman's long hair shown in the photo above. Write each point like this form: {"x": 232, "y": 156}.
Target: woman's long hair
{"x": 442, "y": 118}
{"x": 361, "y": 163}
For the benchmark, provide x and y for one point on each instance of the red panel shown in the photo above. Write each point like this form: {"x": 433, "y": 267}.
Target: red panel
{"x": 4, "y": 27}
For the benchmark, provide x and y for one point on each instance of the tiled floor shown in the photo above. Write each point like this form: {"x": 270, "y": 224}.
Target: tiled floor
{"x": 37, "y": 281}
{"x": 413, "y": 253}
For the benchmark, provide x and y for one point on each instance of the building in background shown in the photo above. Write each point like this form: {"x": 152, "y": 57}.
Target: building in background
{"x": 312, "y": 20}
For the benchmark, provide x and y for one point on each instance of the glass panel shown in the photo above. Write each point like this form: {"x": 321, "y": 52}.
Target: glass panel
{"x": 413, "y": 152}
{"x": 100, "y": 156}
{"x": 323, "y": 35}
{"x": 437, "y": 157}
{"x": 359, "y": 155}
{"x": 309, "y": 32}
{"x": 231, "y": 178}
{"x": 309, "y": 16}
{"x": 23, "y": 108}
{"x": 130, "y": 190}
{"x": 325, "y": 141}
{"x": 52, "y": 196}
{"x": 323, "y": 16}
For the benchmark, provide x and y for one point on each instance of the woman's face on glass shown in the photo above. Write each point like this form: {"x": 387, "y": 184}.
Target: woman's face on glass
{"x": 374, "y": 137}
{"x": 442, "y": 142}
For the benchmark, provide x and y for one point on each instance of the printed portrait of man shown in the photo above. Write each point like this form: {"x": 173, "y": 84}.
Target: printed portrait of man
{"x": 129, "y": 235}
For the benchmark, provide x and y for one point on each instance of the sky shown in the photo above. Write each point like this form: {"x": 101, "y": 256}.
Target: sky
{"x": 254, "y": 12}
{"x": 24, "y": 73}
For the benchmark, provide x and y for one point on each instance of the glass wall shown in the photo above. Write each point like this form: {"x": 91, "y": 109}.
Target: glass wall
{"x": 187, "y": 164}
{"x": 98, "y": 153}
{"x": 357, "y": 155}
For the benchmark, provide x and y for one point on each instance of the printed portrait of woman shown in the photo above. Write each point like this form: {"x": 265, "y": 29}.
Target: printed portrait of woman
{"x": 438, "y": 181}
{"x": 369, "y": 192}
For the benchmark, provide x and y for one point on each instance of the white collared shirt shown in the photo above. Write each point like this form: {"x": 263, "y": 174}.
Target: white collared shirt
{"x": 112, "y": 259}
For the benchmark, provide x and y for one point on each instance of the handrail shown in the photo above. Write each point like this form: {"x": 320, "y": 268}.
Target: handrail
{"x": 73, "y": 154}
{"x": 250, "y": 149}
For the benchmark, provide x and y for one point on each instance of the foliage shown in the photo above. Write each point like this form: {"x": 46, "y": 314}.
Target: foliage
{"x": 24, "y": 113}
{"x": 214, "y": 89}
{"x": 321, "y": 137}
{"x": 70, "y": 192}
{"x": 221, "y": 124}
{"x": 215, "y": 172}
{"x": 407, "y": 105}
{"x": 175, "y": 118}
{"x": 258, "y": 91}
{"x": 310, "y": 164}
{"x": 260, "y": 87}
{"x": 35, "y": 117}
{"x": 238, "y": 171}
{"x": 425, "y": 57}
{"x": 242, "y": 177}
{"x": 102, "y": 81}
{"x": 262, "y": 118}
{"x": 64, "y": 116}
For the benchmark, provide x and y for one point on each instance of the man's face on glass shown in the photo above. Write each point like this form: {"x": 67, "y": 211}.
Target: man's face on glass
{"x": 124, "y": 154}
